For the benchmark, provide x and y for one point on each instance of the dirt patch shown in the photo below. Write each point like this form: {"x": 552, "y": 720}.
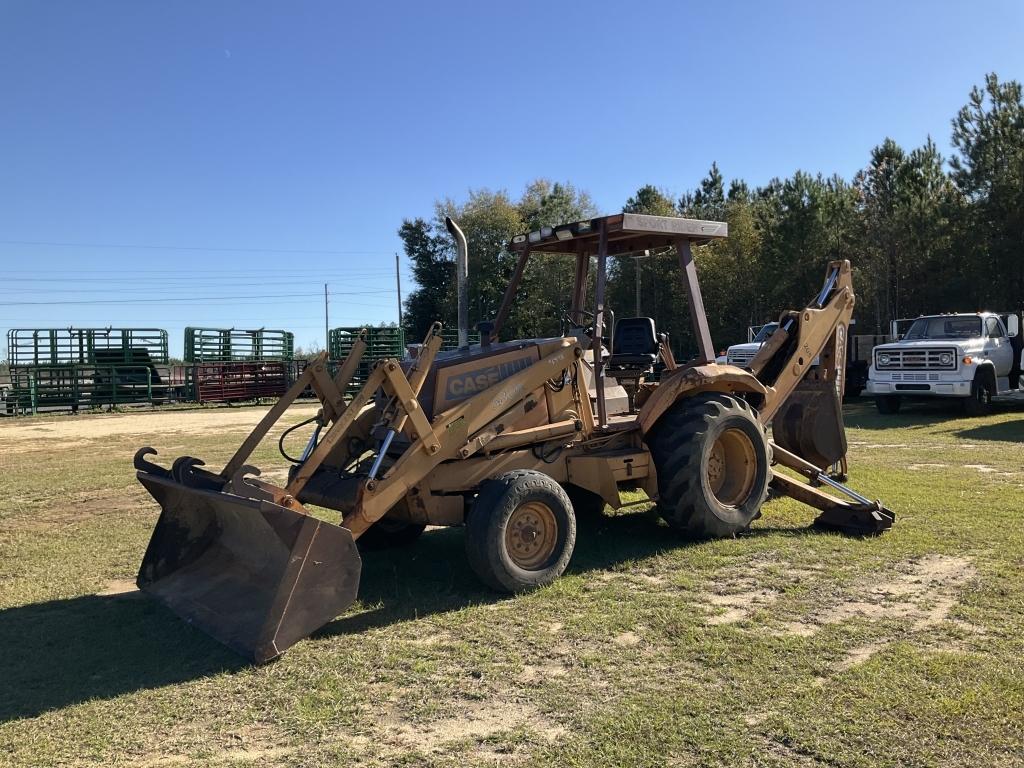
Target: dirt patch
{"x": 43, "y": 444}
{"x": 74, "y": 431}
{"x": 226, "y": 756}
{"x": 738, "y": 593}
{"x": 859, "y": 655}
{"x": 739, "y": 605}
{"x": 120, "y": 588}
{"x": 923, "y": 594}
{"x": 538, "y": 673}
{"x": 475, "y": 723}
{"x": 627, "y": 639}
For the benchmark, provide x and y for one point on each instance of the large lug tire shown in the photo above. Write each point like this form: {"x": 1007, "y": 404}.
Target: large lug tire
{"x": 712, "y": 458}
{"x": 888, "y": 404}
{"x": 520, "y": 531}
{"x": 982, "y": 389}
{"x": 387, "y": 533}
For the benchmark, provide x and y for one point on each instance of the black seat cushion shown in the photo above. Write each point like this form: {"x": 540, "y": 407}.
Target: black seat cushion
{"x": 635, "y": 343}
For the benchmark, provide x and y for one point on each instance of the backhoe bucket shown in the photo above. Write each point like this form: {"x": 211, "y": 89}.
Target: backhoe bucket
{"x": 810, "y": 423}
{"x": 254, "y": 575}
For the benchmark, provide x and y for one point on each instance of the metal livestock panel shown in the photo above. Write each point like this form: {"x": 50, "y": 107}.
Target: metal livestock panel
{"x": 227, "y": 345}
{"x": 83, "y": 346}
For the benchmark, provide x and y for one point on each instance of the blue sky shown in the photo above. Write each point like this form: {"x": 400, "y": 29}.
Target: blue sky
{"x": 261, "y": 149}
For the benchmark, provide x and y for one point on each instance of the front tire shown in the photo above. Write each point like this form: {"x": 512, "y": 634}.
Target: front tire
{"x": 980, "y": 401}
{"x": 712, "y": 458}
{"x": 888, "y": 404}
{"x": 520, "y": 532}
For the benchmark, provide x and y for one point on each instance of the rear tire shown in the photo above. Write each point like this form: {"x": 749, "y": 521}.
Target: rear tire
{"x": 712, "y": 458}
{"x": 982, "y": 389}
{"x": 520, "y": 531}
{"x": 888, "y": 404}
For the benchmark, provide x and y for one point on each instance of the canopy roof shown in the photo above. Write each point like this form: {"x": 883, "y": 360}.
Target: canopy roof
{"x": 627, "y": 233}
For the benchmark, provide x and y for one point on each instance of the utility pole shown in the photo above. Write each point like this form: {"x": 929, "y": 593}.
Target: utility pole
{"x": 398, "y": 285}
{"x": 327, "y": 324}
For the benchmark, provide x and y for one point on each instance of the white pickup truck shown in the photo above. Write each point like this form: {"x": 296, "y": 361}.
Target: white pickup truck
{"x": 969, "y": 356}
{"x": 741, "y": 354}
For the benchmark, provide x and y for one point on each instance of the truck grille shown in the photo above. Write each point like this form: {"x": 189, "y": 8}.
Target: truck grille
{"x": 915, "y": 377}
{"x": 916, "y": 359}
{"x": 739, "y": 358}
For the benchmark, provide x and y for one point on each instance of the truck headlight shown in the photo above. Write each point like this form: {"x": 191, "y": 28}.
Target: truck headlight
{"x": 946, "y": 358}
{"x": 884, "y": 359}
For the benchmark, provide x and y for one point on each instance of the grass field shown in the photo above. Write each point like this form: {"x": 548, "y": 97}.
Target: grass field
{"x": 784, "y": 647}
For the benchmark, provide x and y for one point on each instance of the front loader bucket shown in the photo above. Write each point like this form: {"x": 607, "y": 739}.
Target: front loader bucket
{"x": 254, "y": 575}
{"x": 810, "y": 423}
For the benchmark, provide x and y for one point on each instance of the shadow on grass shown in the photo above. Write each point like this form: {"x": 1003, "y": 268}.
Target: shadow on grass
{"x": 916, "y": 414}
{"x": 64, "y": 652}
{"x": 433, "y": 576}
{"x": 1005, "y": 431}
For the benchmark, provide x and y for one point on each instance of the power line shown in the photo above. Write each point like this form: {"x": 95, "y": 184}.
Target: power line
{"x": 235, "y": 297}
{"x": 195, "y": 280}
{"x": 162, "y": 289}
{"x": 300, "y": 251}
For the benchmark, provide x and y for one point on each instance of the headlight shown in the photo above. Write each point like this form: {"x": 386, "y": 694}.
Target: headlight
{"x": 946, "y": 358}
{"x": 884, "y": 359}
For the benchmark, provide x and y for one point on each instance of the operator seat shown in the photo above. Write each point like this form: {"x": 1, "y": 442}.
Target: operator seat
{"x": 635, "y": 349}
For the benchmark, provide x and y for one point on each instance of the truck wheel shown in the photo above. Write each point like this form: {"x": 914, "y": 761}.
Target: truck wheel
{"x": 980, "y": 401}
{"x": 888, "y": 404}
{"x": 387, "y": 533}
{"x": 520, "y": 531}
{"x": 712, "y": 458}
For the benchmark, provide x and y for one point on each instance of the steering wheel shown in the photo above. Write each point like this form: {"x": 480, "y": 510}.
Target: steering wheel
{"x": 587, "y": 329}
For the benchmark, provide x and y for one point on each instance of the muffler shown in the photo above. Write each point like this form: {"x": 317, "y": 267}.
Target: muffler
{"x": 253, "y": 574}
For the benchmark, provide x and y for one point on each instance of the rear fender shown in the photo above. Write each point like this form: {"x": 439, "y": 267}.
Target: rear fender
{"x": 688, "y": 381}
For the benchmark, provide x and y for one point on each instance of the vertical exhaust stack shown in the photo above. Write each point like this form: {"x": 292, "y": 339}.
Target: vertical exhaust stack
{"x": 462, "y": 277}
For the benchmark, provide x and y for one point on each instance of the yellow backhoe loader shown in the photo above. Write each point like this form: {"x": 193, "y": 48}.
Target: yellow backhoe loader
{"x": 509, "y": 438}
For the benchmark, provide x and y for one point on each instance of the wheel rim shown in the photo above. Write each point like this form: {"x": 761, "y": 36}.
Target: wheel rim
{"x": 732, "y": 467}
{"x": 531, "y": 535}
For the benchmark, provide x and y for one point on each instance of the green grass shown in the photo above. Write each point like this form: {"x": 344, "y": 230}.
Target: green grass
{"x": 784, "y": 647}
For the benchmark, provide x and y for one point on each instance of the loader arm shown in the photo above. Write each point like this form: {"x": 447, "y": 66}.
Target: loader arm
{"x": 453, "y": 434}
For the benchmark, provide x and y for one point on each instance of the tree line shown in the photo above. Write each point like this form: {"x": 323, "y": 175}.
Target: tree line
{"x": 924, "y": 234}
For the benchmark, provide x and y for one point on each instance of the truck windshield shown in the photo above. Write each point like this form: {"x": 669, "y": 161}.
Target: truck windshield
{"x": 765, "y": 332}
{"x": 967, "y": 327}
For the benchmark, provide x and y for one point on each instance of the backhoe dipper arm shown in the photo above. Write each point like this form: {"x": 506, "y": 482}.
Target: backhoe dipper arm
{"x": 782, "y": 363}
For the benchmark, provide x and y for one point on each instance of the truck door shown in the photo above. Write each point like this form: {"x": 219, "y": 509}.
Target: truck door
{"x": 997, "y": 346}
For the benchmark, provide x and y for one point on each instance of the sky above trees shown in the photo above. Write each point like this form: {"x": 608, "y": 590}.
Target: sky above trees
{"x": 158, "y": 158}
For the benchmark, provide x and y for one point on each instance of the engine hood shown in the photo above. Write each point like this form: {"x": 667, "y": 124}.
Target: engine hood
{"x": 750, "y": 346}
